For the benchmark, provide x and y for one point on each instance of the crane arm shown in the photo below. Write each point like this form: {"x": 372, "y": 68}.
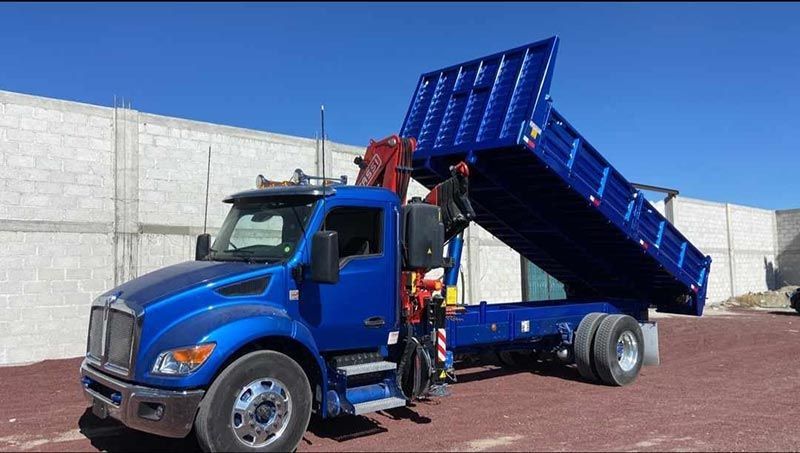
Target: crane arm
{"x": 387, "y": 163}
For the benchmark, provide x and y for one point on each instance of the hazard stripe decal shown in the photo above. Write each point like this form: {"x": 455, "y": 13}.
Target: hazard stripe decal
{"x": 441, "y": 345}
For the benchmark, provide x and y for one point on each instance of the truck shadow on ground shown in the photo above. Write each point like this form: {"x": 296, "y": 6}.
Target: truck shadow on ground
{"x": 346, "y": 428}
{"x": 785, "y": 313}
{"x": 110, "y": 435}
{"x": 488, "y": 369}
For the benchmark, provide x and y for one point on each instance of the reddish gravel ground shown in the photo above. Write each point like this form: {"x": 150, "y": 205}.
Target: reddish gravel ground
{"x": 727, "y": 382}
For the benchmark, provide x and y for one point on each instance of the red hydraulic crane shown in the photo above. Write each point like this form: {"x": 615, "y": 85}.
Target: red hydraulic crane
{"x": 387, "y": 164}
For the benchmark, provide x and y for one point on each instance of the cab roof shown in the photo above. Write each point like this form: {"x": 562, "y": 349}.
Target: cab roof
{"x": 312, "y": 192}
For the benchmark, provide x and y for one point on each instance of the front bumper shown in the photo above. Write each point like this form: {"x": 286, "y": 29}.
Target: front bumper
{"x": 137, "y": 406}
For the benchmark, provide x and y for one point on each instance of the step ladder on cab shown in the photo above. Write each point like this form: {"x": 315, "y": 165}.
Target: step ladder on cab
{"x": 363, "y": 383}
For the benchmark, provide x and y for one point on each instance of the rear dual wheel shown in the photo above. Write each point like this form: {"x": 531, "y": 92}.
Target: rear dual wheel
{"x": 609, "y": 348}
{"x": 584, "y": 342}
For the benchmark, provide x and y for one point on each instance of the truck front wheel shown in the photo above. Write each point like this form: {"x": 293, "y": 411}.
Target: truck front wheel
{"x": 260, "y": 402}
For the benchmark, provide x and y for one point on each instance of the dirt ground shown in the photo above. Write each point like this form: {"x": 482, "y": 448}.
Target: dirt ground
{"x": 728, "y": 381}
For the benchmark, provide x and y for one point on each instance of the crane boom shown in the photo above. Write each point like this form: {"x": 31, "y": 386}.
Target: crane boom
{"x": 387, "y": 163}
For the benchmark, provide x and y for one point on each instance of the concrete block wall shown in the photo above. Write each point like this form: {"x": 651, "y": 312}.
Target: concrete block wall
{"x": 173, "y": 156}
{"x": 161, "y": 250}
{"x": 56, "y": 216}
{"x": 705, "y": 224}
{"x": 496, "y": 274}
{"x": 788, "y": 238}
{"x": 753, "y": 246}
{"x": 740, "y": 239}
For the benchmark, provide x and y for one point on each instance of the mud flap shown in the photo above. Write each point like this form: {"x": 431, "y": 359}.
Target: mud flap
{"x": 650, "y": 335}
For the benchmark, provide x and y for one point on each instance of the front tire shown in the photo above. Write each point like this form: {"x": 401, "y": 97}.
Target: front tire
{"x": 259, "y": 403}
{"x": 618, "y": 350}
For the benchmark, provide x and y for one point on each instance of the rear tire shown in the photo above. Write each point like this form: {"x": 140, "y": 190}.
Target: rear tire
{"x": 583, "y": 345}
{"x": 265, "y": 387}
{"x": 618, "y": 350}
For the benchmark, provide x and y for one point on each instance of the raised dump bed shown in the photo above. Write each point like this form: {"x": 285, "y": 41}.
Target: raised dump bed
{"x": 538, "y": 185}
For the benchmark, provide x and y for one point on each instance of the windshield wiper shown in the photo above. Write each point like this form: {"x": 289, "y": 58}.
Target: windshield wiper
{"x": 240, "y": 252}
{"x": 241, "y": 255}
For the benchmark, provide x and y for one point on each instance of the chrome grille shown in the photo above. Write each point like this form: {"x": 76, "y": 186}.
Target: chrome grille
{"x": 119, "y": 338}
{"x": 95, "y": 348}
{"x": 113, "y": 333}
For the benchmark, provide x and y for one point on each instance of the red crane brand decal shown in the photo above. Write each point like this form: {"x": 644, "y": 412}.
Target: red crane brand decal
{"x": 370, "y": 172}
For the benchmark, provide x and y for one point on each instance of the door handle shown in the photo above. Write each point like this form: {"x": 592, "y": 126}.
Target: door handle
{"x": 374, "y": 321}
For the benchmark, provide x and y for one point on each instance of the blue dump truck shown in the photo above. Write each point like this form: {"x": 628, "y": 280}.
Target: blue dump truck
{"x": 315, "y": 296}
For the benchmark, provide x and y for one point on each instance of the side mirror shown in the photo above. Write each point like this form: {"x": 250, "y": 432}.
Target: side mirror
{"x": 325, "y": 257}
{"x": 203, "y": 246}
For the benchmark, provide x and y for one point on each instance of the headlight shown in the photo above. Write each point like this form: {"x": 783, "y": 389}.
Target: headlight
{"x": 182, "y": 361}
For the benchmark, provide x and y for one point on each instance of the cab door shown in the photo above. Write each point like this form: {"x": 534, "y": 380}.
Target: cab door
{"x": 360, "y": 311}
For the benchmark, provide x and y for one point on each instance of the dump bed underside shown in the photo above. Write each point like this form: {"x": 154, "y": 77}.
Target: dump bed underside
{"x": 543, "y": 189}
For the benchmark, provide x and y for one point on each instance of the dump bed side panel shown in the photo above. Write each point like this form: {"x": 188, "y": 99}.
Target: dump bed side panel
{"x": 544, "y": 189}
{"x": 674, "y": 264}
{"x": 481, "y": 102}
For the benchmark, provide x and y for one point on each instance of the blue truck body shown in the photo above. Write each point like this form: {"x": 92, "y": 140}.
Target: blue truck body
{"x": 536, "y": 184}
{"x": 542, "y": 188}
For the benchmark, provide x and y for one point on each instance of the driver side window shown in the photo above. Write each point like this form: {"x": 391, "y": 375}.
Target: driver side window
{"x": 360, "y": 230}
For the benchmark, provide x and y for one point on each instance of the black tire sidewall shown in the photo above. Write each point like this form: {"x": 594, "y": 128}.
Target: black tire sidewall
{"x": 605, "y": 356}
{"x": 583, "y": 348}
{"x": 213, "y": 427}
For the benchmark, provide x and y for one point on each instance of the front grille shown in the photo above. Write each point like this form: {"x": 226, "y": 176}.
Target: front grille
{"x": 112, "y": 336}
{"x": 119, "y": 339}
{"x": 96, "y": 333}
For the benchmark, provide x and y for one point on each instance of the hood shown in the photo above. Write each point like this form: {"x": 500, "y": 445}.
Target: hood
{"x": 172, "y": 279}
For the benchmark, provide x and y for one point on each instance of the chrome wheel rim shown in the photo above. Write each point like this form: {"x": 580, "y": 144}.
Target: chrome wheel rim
{"x": 261, "y": 412}
{"x": 627, "y": 351}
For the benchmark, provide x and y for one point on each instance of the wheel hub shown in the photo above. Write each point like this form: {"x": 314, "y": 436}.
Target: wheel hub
{"x": 261, "y": 412}
{"x": 627, "y": 351}
{"x": 264, "y": 413}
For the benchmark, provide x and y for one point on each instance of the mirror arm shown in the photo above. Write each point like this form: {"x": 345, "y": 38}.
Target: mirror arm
{"x": 202, "y": 247}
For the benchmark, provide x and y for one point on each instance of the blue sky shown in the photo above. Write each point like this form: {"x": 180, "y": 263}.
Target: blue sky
{"x": 704, "y": 98}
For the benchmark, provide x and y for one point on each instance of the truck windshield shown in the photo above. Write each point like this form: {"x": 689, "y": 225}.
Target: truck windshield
{"x": 265, "y": 231}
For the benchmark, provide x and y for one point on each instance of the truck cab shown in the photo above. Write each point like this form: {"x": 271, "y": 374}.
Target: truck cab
{"x": 303, "y": 272}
